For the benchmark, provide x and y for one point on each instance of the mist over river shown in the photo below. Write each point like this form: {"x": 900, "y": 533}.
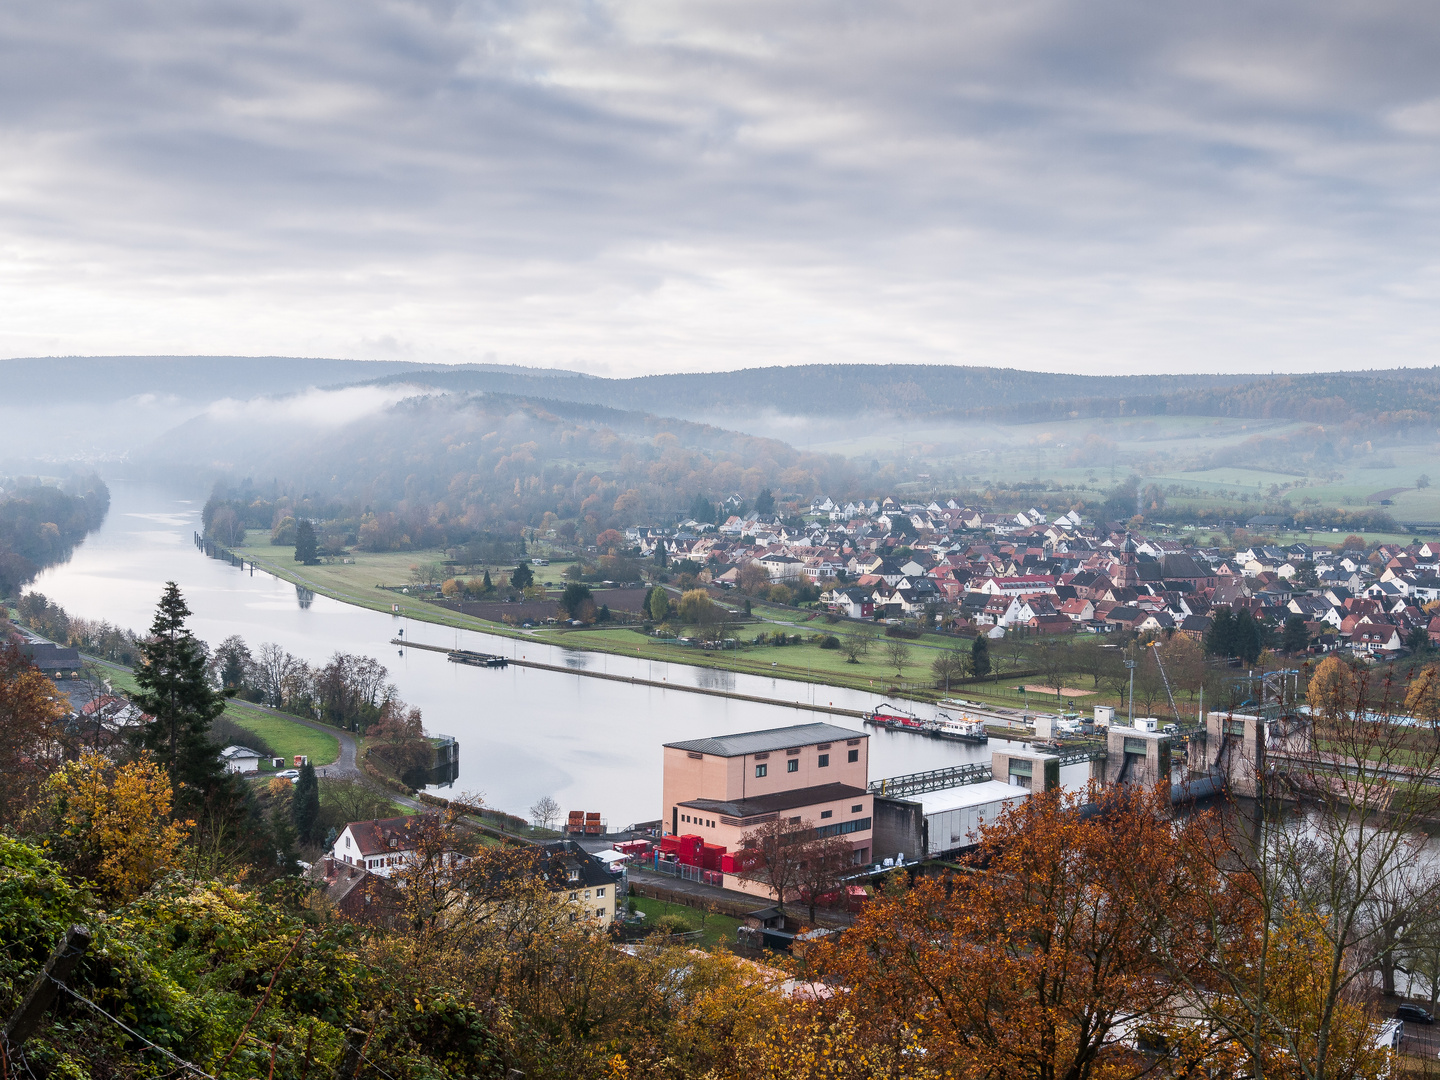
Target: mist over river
{"x": 591, "y": 744}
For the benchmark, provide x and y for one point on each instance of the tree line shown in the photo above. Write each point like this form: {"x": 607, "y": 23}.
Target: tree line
{"x": 41, "y": 524}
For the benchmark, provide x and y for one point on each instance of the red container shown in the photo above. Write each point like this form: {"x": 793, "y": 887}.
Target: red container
{"x": 669, "y": 844}
{"x": 710, "y": 856}
{"x": 690, "y": 848}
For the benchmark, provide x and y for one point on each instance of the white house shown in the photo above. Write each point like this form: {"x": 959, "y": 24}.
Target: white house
{"x": 382, "y": 846}
{"x": 240, "y": 759}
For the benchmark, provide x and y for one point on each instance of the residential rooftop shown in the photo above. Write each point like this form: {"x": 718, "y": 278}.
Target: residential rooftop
{"x": 760, "y": 742}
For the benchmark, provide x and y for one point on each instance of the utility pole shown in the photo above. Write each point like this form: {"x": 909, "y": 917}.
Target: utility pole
{"x": 1131, "y": 665}
{"x": 41, "y": 995}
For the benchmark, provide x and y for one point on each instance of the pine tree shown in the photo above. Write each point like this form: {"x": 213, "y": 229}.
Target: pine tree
{"x": 980, "y": 656}
{"x": 306, "y": 549}
{"x": 487, "y": 585}
{"x": 305, "y": 805}
{"x": 175, "y": 690}
{"x": 523, "y": 577}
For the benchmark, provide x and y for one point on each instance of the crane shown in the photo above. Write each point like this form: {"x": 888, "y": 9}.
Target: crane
{"x": 1174, "y": 711}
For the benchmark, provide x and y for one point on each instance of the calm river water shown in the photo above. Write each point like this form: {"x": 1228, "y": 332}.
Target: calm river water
{"x": 591, "y": 744}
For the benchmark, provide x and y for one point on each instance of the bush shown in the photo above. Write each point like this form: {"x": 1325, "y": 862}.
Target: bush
{"x": 671, "y": 925}
{"x": 903, "y": 632}
{"x": 830, "y": 641}
{"x": 226, "y": 732}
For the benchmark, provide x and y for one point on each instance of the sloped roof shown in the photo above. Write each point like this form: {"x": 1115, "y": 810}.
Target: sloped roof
{"x": 760, "y": 742}
{"x": 778, "y": 801}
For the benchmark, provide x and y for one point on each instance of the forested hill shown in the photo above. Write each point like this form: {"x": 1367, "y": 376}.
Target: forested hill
{"x": 1393, "y": 398}
{"x": 40, "y": 526}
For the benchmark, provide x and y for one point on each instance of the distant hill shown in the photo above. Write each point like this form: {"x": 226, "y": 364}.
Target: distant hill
{"x": 201, "y": 378}
{"x": 839, "y": 390}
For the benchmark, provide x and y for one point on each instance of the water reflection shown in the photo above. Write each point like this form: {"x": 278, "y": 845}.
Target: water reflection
{"x": 711, "y": 679}
{"x": 304, "y": 596}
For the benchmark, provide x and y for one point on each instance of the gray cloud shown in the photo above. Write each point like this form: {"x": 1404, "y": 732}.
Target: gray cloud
{"x": 662, "y": 186}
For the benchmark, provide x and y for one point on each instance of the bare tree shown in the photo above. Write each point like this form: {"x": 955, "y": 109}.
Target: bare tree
{"x": 857, "y": 646}
{"x": 952, "y": 664}
{"x": 825, "y": 861}
{"x": 545, "y": 811}
{"x": 274, "y": 668}
{"x": 897, "y": 651}
{"x": 772, "y": 855}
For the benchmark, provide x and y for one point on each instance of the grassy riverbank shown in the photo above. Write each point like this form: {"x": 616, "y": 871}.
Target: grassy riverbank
{"x": 356, "y": 581}
{"x": 285, "y": 735}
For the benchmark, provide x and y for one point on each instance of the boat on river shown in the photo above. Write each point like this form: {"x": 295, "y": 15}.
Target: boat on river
{"x": 944, "y": 727}
{"x": 888, "y": 716}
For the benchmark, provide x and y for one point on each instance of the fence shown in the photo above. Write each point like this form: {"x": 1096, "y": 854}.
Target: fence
{"x": 682, "y": 871}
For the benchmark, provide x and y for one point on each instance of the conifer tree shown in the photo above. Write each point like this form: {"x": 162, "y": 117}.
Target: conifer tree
{"x": 980, "y": 655}
{"x": 176, "y": 691}
{"x": 305, "y": 805}
{"x": 306, "y": 549}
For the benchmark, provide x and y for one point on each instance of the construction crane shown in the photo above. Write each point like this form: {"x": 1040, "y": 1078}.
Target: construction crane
{"x": 1174, "y": 711}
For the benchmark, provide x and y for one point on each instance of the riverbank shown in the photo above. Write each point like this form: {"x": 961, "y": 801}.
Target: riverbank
{"x": 359, "y": 582}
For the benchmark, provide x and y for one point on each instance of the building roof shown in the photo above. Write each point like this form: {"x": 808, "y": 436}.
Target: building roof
{"x": 760, "y": 742}
{"x": 373, "y": 837}
{"x": 566, "y": 864}
{"x": 48, "y": 657}
{"x": 958, "y": 798}
{"x": 239, "y": 752}
{"x": 779, "y": 801}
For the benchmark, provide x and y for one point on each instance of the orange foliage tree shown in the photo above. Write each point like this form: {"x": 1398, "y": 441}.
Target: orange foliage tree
{"x": 1044, "y": 963}
{"x": 30, "y": 747}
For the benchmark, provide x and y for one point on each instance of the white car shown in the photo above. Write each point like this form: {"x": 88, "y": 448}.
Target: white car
{"x": 289, "y": 774}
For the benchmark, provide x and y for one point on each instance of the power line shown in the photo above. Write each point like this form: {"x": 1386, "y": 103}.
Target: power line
{"x": 133, "y": 1033}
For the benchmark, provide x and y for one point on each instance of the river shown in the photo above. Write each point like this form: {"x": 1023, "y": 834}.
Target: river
{"x": 592, "y": 744}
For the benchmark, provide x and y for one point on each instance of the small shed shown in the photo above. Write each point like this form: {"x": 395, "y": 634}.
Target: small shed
{"x": 240, "y": 759}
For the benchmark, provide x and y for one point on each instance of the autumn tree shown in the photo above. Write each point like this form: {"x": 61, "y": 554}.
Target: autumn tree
{"x": 658, "y": 604}
{"x": 1041, "y": 966}
{"x": 30, "y": 716}
{"x": 112, "y": 824}
{"x": 1333, "y": 690}
{"x": 824, "y": 864}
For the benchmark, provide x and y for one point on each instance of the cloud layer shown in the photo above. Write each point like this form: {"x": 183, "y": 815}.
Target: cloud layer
{"x": 648, "y": 186}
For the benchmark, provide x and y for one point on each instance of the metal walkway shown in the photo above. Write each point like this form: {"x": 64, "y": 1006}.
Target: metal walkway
{"x": 959, "y": 775}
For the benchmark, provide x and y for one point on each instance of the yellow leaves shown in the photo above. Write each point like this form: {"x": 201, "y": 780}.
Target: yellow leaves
{"x": 1423, "y": 699}
{"x": 118, "y": 819}
{"x": 1333, "y": 689}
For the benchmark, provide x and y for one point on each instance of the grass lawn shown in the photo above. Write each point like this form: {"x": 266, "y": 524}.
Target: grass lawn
{"x": 718, "y": 929}
{"x": 284, "y": 734}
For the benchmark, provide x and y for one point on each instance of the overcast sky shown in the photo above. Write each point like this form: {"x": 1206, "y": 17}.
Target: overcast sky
{"x": 639, "y": 187}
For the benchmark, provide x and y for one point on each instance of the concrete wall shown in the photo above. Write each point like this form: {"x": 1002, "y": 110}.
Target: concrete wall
{"x": 1137, "y": 757}
{"x": 1234, "y": 746}
{"x": 899, "y": 830}
{"x": 1034, "y": 772}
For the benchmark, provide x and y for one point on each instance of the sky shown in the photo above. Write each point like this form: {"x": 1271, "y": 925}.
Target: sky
{"x": 642, "y": 187}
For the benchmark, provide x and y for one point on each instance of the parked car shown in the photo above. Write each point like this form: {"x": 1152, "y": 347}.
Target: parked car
{"x": 1414, "y": 1013}
{"x": 289, "y": 774}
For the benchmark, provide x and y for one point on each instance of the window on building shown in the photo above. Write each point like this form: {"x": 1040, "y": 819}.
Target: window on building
{"x": 587, "y": 894}
{"x": 827, "y": 813}
{"x": 761, "y": 770}
{"x": 574, "y": 896}
{"x": 854, "y": 755}
{"x": 347, "y": 839}
{"x": 793, "y": 765}
{"x": 599, "y": 912}
{"x": 600, "y": 891}
{"x": 857, "y": 808}
{"x": 824, "y": 760}
{"x": 794, "y": 821}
